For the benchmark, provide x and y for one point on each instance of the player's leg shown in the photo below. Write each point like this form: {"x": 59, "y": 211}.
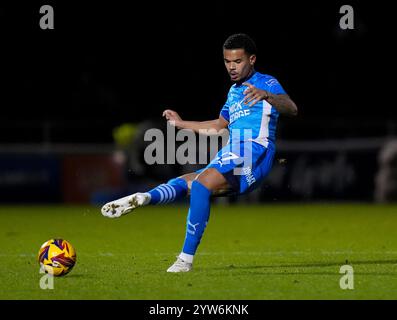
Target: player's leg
{"x": 203, "y": 186}
{"x": 220, "y": 175}
{"x": 173, "y": 190}
{"x": 223, "y": 190}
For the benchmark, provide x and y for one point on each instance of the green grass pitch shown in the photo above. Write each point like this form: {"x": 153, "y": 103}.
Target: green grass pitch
{"x": 280, "y": 251}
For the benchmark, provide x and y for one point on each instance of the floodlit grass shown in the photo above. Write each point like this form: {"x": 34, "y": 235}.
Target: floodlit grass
{"x": 247, "y": 252}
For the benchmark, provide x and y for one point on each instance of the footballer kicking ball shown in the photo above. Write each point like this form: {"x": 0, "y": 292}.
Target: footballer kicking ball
{"x": 57, "y": 257}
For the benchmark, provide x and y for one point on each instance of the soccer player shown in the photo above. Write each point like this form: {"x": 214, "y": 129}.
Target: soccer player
{"x": 250, "y": 113}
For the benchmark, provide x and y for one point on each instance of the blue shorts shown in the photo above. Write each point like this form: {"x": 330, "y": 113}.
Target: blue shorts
{"x": 244, "y": 165}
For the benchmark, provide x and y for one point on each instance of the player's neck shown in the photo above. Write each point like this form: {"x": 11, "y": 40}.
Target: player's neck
{"x": 241, "y": 81}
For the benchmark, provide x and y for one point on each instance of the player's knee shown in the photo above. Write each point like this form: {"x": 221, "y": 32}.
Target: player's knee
{"x": 189, "y": 177}
{"x": 202, "y": 178}
{"x": 208, "y": 179}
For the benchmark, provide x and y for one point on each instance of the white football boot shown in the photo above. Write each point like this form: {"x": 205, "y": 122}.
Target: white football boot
{"x": 180, "y": 266}
{"x": 119, "y": 207}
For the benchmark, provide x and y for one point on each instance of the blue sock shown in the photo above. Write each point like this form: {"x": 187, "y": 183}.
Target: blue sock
{"x": 197, "y": 218}
{"x": 174, "y": 189}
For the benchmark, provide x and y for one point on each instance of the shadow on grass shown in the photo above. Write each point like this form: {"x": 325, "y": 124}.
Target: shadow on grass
{"x": 314, "y": 265}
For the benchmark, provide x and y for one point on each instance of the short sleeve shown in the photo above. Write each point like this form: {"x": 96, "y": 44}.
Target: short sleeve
{"x": 225, "y": 112}
{"x": 274, "y": 86}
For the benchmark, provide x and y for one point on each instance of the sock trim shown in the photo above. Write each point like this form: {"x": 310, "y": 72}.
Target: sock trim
{"x": 186, "y": 257}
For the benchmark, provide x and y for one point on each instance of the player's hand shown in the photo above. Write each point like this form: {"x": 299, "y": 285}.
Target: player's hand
{"x": 254, "y": 94}
{"x": 172, "y": 117}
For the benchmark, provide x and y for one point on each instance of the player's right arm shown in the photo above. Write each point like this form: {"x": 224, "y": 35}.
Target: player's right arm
{"x": 197, "y": 126}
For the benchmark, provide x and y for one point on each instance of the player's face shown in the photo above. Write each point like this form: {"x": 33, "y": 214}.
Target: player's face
{"x": 239, "y": 64}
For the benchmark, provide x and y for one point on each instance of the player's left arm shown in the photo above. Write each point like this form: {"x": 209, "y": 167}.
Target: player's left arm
{"x": 282, "y": 102}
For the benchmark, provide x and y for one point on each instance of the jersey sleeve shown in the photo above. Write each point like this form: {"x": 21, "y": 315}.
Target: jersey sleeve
{"x": 274, "y": 86}
{"x": 225, "y": 111}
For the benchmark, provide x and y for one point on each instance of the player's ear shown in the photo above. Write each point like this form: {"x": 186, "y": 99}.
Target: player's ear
{"x": 252, "y": 59}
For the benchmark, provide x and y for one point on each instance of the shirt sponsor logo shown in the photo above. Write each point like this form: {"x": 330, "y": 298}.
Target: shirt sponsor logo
{"x": 237, "y": 111}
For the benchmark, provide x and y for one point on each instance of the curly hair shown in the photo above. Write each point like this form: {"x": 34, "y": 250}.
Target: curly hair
{"x": 240, "y": 41}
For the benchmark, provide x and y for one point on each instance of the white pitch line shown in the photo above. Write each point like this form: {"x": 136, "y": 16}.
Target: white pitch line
{"x": 256, "y": 253}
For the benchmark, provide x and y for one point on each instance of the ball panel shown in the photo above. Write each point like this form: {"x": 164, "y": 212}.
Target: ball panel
{"x": 57, "y": 257}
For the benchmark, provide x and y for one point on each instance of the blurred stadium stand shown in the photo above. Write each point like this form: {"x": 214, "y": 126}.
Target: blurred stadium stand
{"x": 386, "y": 178}
{"x": 56, "y": 165}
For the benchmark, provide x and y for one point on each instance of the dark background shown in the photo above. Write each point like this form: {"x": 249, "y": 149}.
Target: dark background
{"x": 109, "y": 63}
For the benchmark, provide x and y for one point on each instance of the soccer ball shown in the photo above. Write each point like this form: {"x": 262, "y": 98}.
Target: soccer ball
{"x": 57, "y": 257}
